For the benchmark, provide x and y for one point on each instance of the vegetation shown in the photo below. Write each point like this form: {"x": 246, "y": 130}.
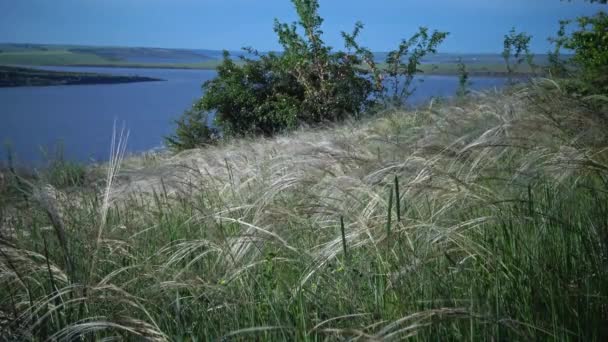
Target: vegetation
{"x": 590, "y": 45}
{"x": 517, "y": 45}
{"x": 192, "y": 131}
{"x": 482, "y": 221}
{"x": 307, "y": 83}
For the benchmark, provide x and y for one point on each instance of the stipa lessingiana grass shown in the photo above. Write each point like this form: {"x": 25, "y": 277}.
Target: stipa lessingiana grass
{"x": 481, "y": 220}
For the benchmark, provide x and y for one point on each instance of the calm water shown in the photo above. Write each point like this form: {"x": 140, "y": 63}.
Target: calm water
{"x": 80, "y": 117}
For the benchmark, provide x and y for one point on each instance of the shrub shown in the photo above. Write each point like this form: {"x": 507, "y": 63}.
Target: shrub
{"x": 192, "y": 131}
{"x": 398, "y": 71}
{"x": 258, "y": 97}
{"x": 306, "y": 83}
{"x": 590, "y": 45}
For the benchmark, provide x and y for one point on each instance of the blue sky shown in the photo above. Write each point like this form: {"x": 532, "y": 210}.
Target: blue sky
{"x": 475, "y": 25}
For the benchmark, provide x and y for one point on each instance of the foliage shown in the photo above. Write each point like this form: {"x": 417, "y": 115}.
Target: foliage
{"x": 586, "y": 72}
{"x": 308, "y": 83}
{"x": 414, "y": 48}
{"x": 517, "y": 45}
{"x": 590, "y": 45}
{"x": 191, "y": 131}
{"x": 393, "y": 83}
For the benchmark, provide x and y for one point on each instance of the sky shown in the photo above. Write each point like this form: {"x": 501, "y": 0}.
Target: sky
{"x": 474, "y": 25}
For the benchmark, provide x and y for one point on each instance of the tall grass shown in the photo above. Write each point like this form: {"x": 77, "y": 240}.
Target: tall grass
{"x": 482, "y": 221}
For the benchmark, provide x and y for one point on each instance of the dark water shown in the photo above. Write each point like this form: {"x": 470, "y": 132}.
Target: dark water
{"x": 80, "y": 117}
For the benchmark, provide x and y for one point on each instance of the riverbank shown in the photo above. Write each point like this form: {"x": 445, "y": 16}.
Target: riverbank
{"x": 481, "y": 65}
{"x": 20, "y": 77}
{"x": 443, "y": 69}
{"x": 80, "y": 118}
{"x": 473, "y": 219}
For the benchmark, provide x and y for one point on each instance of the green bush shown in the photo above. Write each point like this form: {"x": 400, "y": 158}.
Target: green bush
{"x": 307, "y": 83}
{"x": 590, "y": 45}
{"x": 192, "y": 131}
{"x": 586, "y": 73}
{"x": 257, "y": 97}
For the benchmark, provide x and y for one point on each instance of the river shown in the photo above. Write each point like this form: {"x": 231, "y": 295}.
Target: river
{"x": 78, "y": 119}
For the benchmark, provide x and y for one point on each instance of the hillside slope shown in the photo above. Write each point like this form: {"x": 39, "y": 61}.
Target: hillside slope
{"x": 481, "y": 219}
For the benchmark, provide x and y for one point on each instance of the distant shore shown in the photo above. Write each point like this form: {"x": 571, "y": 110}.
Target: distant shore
{"x": 38, "y": 55}
{"x": 443, "y": 69}
{"x": 23, "y": 77}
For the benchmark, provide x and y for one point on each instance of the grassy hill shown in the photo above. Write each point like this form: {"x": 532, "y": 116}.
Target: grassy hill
{"x": 480, "y": 219}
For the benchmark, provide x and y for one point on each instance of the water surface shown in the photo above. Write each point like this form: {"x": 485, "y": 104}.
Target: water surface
{"x": 81, "y": 117}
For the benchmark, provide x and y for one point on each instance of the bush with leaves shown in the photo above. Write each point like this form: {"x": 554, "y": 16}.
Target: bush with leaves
{"x": 308, "y": 83}
{"x": 586, "y": 72}
{"x": 192, "y": 131}
{"x": 590, "y": 45}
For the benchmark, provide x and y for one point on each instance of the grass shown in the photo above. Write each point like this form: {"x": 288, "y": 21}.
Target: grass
{"x": 480, "y": 219}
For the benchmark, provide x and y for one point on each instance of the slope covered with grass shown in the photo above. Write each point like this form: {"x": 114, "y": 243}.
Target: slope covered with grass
{"x": 484, "y": 219}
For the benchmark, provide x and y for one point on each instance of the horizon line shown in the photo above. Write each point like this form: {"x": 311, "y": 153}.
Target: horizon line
{"x": 231, "y": 50}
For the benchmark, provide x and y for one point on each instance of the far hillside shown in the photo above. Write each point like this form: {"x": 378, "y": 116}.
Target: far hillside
{"x": 146, "y": 57}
